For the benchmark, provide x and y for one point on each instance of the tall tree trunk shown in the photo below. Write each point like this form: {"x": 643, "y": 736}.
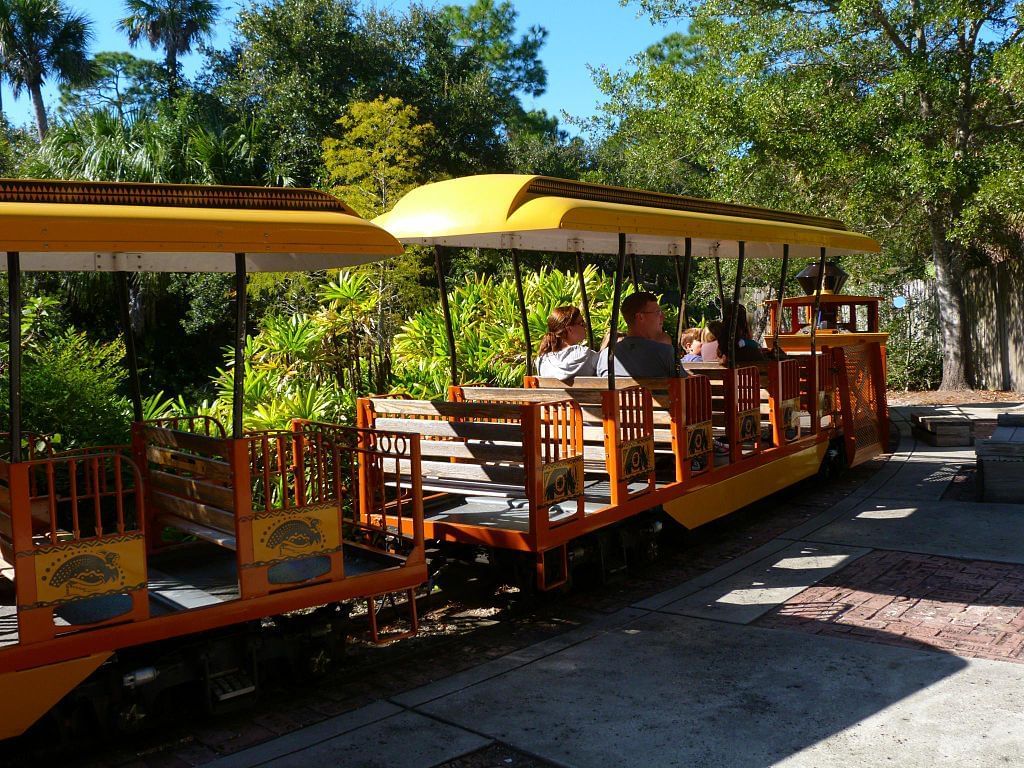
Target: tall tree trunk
{"x": 42, "y": 124}
{"x": 172, "y": 72}
{"x": 956, "y": 347}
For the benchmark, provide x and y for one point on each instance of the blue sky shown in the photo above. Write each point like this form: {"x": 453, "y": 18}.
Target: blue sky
{"x": 580, "y": 33}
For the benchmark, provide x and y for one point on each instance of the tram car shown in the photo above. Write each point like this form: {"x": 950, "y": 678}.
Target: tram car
{"x": 95, "y": 593}
{"x": 105, "y": 611}
{"x": 556, "y": 474}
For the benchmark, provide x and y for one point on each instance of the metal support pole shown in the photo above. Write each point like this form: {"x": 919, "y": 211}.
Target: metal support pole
{"x": 817, "y": 301}
{"x": 523, "y": 317}
{"x": 632, "y": 272}
{"x": 238, "y": 397}
{"x": 683, "y": 282}
{"x": 442, "y": 288}
{"x": 584, "y": 299}
{"x": 121, "y": 286}
{"x": 613, "y": 326}
{"x": 14, "y": 340}
{"x": 781, "y": 296}
{"x": 734, "y": 347}
{"x": 721, "y": 285}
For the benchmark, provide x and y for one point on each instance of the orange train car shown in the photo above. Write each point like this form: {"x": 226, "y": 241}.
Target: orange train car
{"x": 560, "y": 474}
{"x": 191, "y": 532}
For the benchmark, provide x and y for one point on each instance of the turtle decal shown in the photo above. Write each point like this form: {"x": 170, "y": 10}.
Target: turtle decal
{"x": 293, "y": 536}
{"x": 82, "y": 574}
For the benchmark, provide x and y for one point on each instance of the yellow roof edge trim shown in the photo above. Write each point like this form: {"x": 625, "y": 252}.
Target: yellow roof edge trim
{"x": 497, "y": 209}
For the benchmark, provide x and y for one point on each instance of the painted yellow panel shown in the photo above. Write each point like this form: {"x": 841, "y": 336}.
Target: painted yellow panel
{"x": 722, "y": 496}
{"x": 288, "y": 534}
{"x": 90, "y": 568}
{"x": 562, "y": 479}
{"x": 27, "y": 695}
{"x": 637, "y": 457}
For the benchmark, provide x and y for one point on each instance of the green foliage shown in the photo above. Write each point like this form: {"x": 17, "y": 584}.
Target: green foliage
{"x": 177, "y": 144}
{"x": 121, "y": 83}
{"x": 462, "y": 69}
{"x": 490, "y": 27}
{"x": 73, "y": 387}
{"x": 900, "y": 118}
{"x": 488, "y": 329}
{"x": 174, "y": 25}
{"x": 914, "y": 348}
{"x": 41, "y": 40}
{"x": 378, "y": 156}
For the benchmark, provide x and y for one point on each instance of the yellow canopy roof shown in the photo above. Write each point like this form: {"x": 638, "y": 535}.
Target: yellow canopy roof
{"x": 547, "y": 214}
{"x": 90, "y": 226}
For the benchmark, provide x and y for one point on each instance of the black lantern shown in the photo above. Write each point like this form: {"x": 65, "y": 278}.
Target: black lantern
{"x": 835, "y": 278}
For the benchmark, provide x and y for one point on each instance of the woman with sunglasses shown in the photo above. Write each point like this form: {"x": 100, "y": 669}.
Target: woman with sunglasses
{"x": 562, "y": 353}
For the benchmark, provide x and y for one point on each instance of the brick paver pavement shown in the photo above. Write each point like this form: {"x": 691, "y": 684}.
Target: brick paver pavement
{"x": 966, "y": 607}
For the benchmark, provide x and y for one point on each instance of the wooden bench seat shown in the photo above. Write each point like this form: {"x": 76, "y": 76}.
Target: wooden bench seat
{"x": 618, "y": 430}
{"x": 510, "y": 448}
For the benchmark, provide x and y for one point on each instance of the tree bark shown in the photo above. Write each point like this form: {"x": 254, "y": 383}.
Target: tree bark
{"x": 956, "y": 347}
{"x": 172, "y": 72}
{"x": 42, "y": 124}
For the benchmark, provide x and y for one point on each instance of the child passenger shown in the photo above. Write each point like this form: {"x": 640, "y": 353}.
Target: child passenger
{"x": 692, "y": 344}
{"x": 709, "y": 342}
{"x": 562, "y": 353}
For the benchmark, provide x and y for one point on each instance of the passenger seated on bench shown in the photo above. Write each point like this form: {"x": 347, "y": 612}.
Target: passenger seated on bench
{"x": 745, "y": 349}
{"x": 692, "y": 344}
{"x": 646, "y": 350}
{"x": 709, "y": 342}
{"x": 562, "y": 353}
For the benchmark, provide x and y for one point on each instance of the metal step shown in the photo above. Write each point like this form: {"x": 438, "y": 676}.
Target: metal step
{"x": 231, "y": 685}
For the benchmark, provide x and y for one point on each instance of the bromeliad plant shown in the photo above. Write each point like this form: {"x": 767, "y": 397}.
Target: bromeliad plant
{"x": 488, "y": 331}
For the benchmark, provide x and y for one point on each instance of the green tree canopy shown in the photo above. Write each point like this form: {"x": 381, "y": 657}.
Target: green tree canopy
{"x": 121, "y": 83}
{"x": 892, "y": 115}
{"x": 40, "y": 39}
{"x": 174, "y": 25}
{"x": 378, "y": 156}
{"x": 299, "y": 63}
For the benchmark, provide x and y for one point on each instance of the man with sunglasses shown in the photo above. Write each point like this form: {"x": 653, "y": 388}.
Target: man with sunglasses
{"x": 646, "y": 351}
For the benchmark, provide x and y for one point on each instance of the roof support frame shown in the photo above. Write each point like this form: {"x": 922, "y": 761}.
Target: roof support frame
{"x": 817, "y": 301}
{"x": 683, "y": 282}
{"x": 584, "y": 299}
{"x": 123, "y": 301}
{"x": 781, "y": 296}
{"x": 523, "y": 317}
{"x": 446, "y": 311}
{"x": 238, "y": 375}
{"x": 14, "y": 341}
{"x": 735, "y": 314}
{"x": 721, "y": 285}
{"x": 613, "y": 324}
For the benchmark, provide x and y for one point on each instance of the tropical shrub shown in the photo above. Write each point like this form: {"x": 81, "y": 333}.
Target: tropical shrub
{"x": 72, "y": 387}
{"x": 488, "y": 329}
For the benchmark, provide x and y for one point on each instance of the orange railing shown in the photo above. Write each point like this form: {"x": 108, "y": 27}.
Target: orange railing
{"x": 77, "y": 542}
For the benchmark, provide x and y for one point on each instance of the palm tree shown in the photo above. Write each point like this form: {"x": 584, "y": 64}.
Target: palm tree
{"x": 39, "y": 39}
{"x": 173, "y": 25}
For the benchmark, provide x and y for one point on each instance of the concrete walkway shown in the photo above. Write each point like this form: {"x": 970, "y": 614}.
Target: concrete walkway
{"x": 735, "y": 668}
